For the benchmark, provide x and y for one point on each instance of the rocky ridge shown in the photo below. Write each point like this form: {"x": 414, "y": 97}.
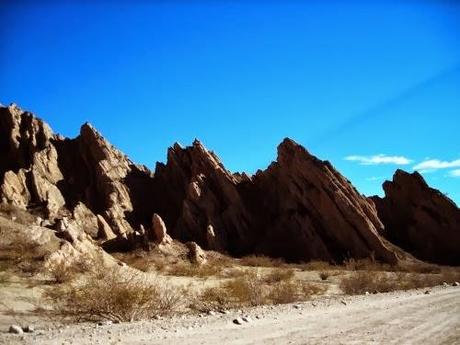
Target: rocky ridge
{"x": 299, "y": 208}
{"x": 420, "y": 219}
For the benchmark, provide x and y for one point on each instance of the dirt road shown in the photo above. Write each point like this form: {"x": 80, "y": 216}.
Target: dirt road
{"x": 411, "y": 317}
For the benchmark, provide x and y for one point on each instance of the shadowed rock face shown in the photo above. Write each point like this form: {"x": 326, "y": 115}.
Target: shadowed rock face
{"x": 310, "y": 211}
{"x": 419, "y": 219}
{"x": 299, "y": 208}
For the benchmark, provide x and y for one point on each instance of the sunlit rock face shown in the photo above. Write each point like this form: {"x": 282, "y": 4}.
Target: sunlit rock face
{"x": 56, "y": 177}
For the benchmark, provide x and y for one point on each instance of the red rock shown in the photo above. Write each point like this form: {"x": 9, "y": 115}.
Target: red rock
{"x": 420, "y": 219}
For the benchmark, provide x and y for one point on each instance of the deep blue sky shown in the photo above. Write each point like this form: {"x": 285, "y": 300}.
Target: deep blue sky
{"x": 342, "y": 79}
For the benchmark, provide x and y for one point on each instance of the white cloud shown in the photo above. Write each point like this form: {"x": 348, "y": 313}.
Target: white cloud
{"x": 455, "y": 173}
{"x": 379, "y": 159}
{"x": 435, "y": 164}
{"x": 375, "y": 178}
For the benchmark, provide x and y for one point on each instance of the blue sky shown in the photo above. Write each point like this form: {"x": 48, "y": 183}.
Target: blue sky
{"x": 370, "y": 87}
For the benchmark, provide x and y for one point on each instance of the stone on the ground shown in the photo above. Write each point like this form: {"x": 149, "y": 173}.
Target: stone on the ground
{"x": 29, "y": 329}
{"x": 238, "y": 321}
{"x": 15, "y": 329}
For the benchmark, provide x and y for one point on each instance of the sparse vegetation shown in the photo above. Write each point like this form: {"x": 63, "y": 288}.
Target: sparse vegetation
{"x": 373, "y": 282}
{"x": 16, "y": 214}
{"x": 254, "y": 289}
{"x": 119, "y": 296}
{"x": 279, "y": 274}
{"x": 317, "y": 266}
{"x": 324, "y": 275}
{"x": 261, "y": 261}
{"x": 193, "y": 270}
{"x": 61, "y": 272}
{"x": 20, "y": 252}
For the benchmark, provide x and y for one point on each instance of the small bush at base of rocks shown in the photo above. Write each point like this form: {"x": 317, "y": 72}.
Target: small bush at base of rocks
{"x": 324, "y": 275}
{"x": 252, "y": 290}
{"x": 363, "y": 281}
{"x": 115, "y": 296}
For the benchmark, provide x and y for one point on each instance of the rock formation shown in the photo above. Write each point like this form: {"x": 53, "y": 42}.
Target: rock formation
{"x": 77, "y": 178}
{"x": 300, "y": 208}
{"x": 159, "y": 230}
{"x": 419, "y": 219}
{"x": 196, "y": 254}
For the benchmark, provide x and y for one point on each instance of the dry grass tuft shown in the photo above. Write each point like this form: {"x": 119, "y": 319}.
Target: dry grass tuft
{"x": 324, "y": 275}
{"x": 279, "y": 274}
{"x": 261, "y": 261}
{"x": 18, "y": 215}
{"x": 187, "y": 269}
{"x": 317, "y": 266}
{"x": 252, "y": 289}
{"x": 20, "y": 252}
{"x": 373, "y": 282}
{"x": 61, "y": 272}
{"x": 117, "y": 296}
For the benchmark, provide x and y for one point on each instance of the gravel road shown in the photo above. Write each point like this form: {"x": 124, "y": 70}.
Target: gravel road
{"x": 411, "y": 317}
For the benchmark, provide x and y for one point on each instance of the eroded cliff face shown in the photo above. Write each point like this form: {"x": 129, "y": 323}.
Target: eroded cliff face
{"x": 420, "y": 219}
{"x": 299, "y": 208}
{"x": 80, "y": 179}
{"x": 310, "y": 211}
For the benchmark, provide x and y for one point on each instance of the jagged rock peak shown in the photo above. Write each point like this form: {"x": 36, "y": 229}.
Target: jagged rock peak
{"x": 420, "y": 219}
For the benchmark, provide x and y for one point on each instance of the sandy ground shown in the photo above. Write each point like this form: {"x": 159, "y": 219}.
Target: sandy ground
{"x": 411, "y": 317}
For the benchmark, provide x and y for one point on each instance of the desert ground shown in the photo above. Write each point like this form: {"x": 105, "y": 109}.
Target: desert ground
{"x": 249, "y": 300}
{"x": 410, "y": 317}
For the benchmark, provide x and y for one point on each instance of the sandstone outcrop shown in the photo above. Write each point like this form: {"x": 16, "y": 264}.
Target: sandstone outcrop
{"x": 307, "y": 210}
{"x": 76, "y": 178}
{"x": 420, "y": 219}
{"x": 299, "y": 208}
{"x": 159, "y": 230}
{"x": 196, "y": 254}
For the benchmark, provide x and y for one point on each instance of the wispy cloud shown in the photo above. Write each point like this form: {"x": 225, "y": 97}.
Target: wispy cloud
{"x": 375, "y": 178}
{"x": 436, "y": 164}
{"x": 455, "y": 173}
{"x": 379, "y": 159}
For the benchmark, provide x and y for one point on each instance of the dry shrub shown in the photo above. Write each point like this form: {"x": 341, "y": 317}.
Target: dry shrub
{"x": 286, "y": 292}
{"x": 4, "y": 278}
{"x": 21, "y": 252}
{"x": 118, "y": 296}
{"x": 293, "y": 291}
{"x": 213, "y": 298}
{"x": 142, "y": 265}
{"x": 364, "y": 281}
{"x": 20, "y": 216}
{"x": 324, "y": 275}
{"x": 252, "y": 290}
{"x": 417, "y": 267}
{"x": 317, "y": 266}
{"x": 367, "y": 264}
{"x": 188, "y": 269}
{"x": 373, "y": 282}
{"x": 450, "y": 276}
{"x": 261, "y": 261}
{"x": 279, "y": 274}
{"x": 61, "y": 272}
{"x": 64, "y": 271}
{"x": 246, "y": 290}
